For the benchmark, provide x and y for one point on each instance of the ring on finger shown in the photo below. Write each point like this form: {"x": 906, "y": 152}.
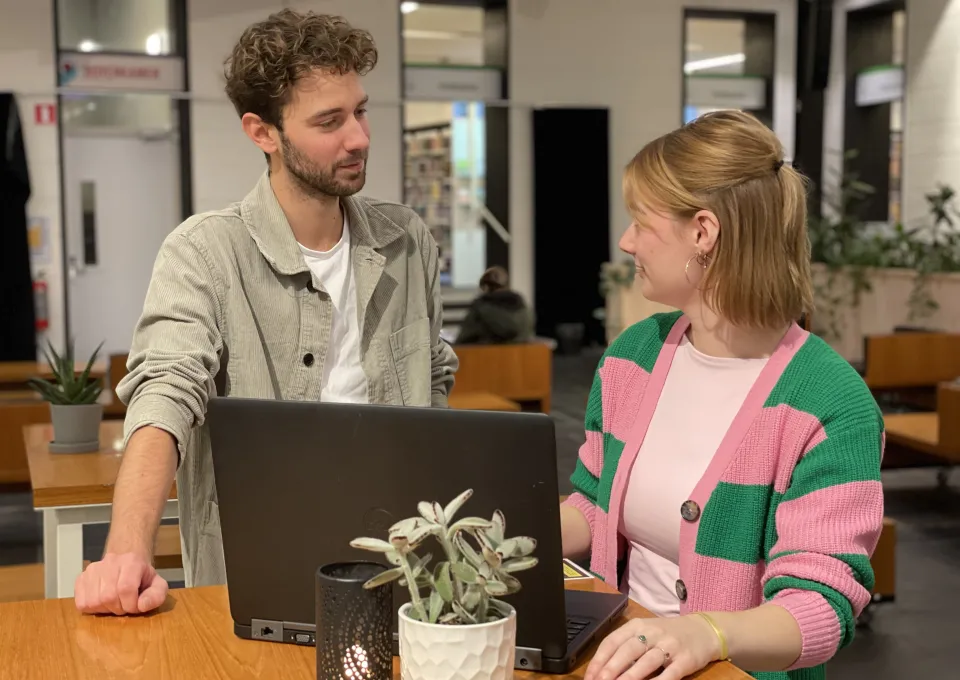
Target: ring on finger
{"x": 666, "y": 655}
{"x": 646, "y": 645}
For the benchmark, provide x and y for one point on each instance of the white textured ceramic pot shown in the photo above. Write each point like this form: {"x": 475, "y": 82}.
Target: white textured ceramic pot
{"x": 430, "y": 651}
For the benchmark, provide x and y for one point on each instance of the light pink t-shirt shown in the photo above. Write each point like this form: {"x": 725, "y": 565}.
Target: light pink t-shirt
{"x": 699, "y": 401}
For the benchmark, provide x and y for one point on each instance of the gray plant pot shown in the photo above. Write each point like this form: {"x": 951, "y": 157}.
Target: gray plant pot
{"x": 76, "y": 429}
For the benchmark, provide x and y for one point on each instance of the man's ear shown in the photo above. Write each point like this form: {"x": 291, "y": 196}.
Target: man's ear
{"x": 264, "y": 135}
{"x": 707, "y": 231}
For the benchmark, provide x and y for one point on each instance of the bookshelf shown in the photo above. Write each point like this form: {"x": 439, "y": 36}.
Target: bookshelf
{"x": 428, "y": 185}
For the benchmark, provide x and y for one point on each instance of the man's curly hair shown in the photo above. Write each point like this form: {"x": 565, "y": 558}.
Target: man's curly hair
{"x": 272, "y": 55}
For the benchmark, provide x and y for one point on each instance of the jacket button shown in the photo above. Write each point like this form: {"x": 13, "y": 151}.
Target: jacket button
{"x": 690, "y": 511}
{"x": 681, "y": 590}
{"x": 308, "y": 359}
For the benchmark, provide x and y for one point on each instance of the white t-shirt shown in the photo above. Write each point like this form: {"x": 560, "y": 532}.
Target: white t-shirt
{"x": 699, "y": 400}
{"x": 343, "y": 378}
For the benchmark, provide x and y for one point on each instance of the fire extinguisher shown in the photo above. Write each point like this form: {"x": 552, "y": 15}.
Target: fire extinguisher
{"x": 40, "y": 306}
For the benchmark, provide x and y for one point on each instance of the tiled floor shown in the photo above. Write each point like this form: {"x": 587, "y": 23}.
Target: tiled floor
{"x": 913, "y": 637}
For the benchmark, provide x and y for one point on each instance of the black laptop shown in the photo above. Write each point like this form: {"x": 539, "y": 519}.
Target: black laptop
{"x": 297, "y": 481}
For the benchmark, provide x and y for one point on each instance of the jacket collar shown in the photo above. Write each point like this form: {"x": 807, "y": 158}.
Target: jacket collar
{"x": 268, "y": 227}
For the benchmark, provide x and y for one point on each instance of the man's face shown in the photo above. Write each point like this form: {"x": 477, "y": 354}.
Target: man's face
{"x": 326, "y": 135}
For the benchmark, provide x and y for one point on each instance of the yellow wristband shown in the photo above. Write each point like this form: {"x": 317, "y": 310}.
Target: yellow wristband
{"x": 724, "y": 656}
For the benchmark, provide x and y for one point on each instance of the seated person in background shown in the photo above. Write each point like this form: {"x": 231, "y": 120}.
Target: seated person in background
{"x": 730, "y": 479}
{"x": 303, "y": 291}
{"x": 497, "y": 315}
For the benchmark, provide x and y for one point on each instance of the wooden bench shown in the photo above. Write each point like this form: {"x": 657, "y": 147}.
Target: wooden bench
{"x": 14, "y": 415}
{"x": 904, "y": 360}
{"x": 518, "y": 372}
{"x": 22, "y": 582}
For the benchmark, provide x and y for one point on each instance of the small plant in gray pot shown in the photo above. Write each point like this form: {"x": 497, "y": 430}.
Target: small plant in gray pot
{"x": 455, "y": 627}
{"x": 74, "y": 410}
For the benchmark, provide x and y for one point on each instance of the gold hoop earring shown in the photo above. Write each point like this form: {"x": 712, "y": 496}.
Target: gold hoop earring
{"x": 702, "y": 260}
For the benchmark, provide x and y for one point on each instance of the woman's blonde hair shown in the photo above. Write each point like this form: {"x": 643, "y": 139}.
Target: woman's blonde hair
{"x": 731, "y": 164}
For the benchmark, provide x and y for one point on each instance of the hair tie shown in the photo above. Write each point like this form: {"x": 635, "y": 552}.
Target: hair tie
{"x": 777, "y": 165}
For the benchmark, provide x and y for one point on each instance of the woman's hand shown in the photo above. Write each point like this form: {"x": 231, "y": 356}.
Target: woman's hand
{"x": 681, "y": 645}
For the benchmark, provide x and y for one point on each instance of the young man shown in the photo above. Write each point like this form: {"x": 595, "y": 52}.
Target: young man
{"x": 301, "y": 291}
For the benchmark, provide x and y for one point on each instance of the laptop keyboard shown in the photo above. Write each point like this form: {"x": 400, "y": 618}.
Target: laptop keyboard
{"x": 575, "y": 627}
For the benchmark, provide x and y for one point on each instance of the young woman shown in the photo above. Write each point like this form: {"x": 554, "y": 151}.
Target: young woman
{"x": 730, "y": 478}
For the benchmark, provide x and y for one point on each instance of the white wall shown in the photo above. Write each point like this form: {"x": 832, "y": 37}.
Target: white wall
{"x": 931, "y": 137}
{"x": 27, "y": 69}
{"x": 225, "y": 163}
{"x": 628, "y": 57}
{"x": 631, "y": 63}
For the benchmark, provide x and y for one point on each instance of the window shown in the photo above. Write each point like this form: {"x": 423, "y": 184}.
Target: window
{"x": 728, "y": 63}
{"x": 137, "y": 26}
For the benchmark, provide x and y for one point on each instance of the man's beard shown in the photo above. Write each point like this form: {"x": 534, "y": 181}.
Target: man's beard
{"x": 322, "y": 182}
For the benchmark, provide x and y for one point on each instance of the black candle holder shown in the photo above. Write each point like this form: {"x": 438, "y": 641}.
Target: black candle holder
{"x": 353, "y": 624}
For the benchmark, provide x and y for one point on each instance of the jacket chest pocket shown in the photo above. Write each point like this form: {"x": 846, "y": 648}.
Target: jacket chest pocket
{"x": 410, "y": 350}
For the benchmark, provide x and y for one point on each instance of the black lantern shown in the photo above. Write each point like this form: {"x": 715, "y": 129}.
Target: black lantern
{"x": 353, "y": 623}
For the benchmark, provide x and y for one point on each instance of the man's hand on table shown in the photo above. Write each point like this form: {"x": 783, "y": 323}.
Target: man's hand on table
{"x": 120, "y": 584}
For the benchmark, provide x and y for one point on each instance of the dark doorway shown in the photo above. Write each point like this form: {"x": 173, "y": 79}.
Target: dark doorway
{"x": 571, "y": 202}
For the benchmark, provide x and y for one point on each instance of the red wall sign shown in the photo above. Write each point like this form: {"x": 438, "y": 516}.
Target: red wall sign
{"x": 45, "y": 114}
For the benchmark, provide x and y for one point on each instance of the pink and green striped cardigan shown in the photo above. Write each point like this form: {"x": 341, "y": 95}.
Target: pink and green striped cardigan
{"x": 791, "y": 504}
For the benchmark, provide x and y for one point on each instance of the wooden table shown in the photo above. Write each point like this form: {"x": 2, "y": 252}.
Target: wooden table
{"x": 190, "y": 636}
{"x": 915, "y": 430}
{"x": 72, "y": 490}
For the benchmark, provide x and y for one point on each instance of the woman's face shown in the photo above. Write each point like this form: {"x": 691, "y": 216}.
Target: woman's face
{"x": 664, "y": 251}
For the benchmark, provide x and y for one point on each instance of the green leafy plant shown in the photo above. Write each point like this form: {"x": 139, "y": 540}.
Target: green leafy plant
{"x": 615, "y": 275}
{"x": 851, "y": 249}
{"x": 842, "y": 241}
{"x": 68, "y": 388}
{"x": 464, "y": 587}
{"x": 930, "y": 248}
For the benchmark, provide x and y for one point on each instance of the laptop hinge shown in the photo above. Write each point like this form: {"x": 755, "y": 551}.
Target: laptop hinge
{"x": 283, "y": 631}
{"x": 528, "y": 659}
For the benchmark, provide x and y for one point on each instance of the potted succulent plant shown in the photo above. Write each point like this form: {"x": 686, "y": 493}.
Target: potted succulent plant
{"x": 455, "y": 627}
{"x": 74, "y": 410}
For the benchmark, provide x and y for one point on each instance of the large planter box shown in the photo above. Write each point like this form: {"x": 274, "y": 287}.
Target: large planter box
{"x": 886, "y": 306}
{"x": 627, "y": 306}
{"x": 881, "y": 309}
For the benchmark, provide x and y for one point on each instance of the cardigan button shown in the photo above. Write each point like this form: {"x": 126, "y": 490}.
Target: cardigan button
{"x": 681, "y": 590}
{"x": 690, "y": 511}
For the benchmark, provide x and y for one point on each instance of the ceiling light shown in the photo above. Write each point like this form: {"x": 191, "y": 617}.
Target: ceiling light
{"x": 154, "y": 44}
{"x": 421, "y": 34}
{"x": 714, "y": 62}
{"x": 88, "y": 45}
{"x": 407, "y": 7}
